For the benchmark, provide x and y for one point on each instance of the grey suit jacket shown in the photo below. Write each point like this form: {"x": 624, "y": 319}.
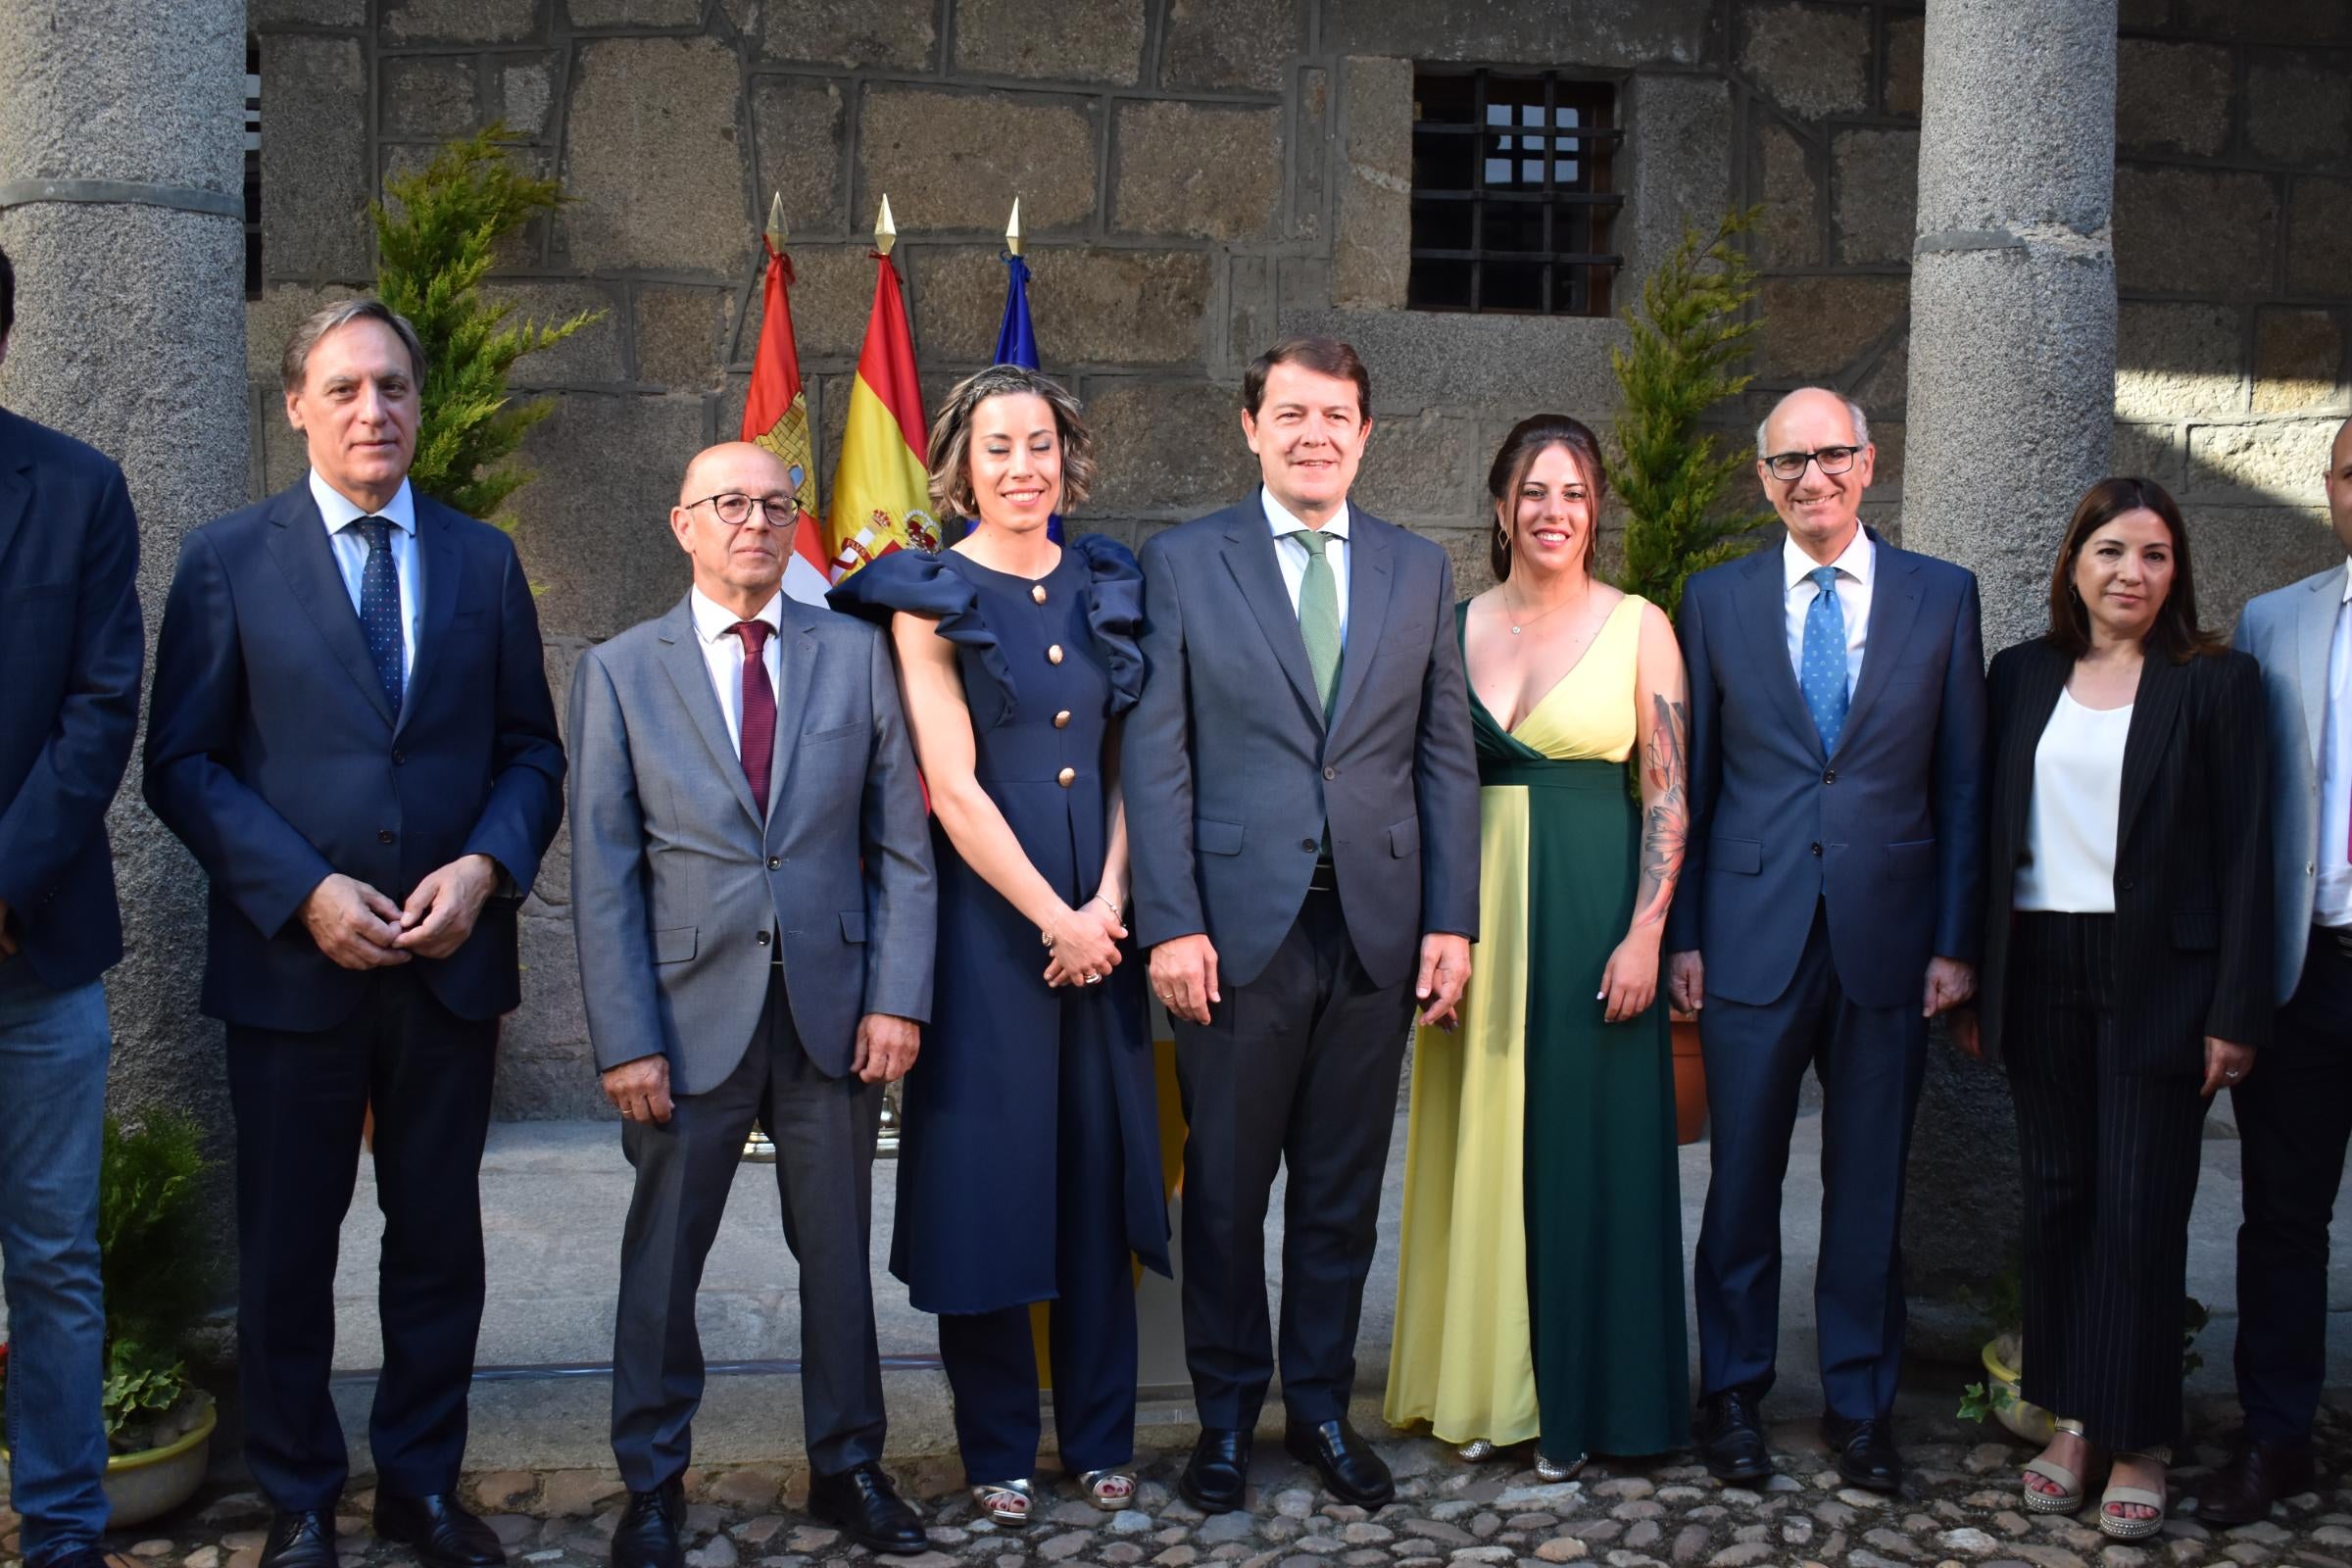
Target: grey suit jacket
{"x": 2288, "y": 630}
{"x": 1230, "y": 773}
{"x": 681, "y": 894}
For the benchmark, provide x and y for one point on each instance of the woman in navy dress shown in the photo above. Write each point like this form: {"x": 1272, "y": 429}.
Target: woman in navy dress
{"x": 1029, "y": 1170}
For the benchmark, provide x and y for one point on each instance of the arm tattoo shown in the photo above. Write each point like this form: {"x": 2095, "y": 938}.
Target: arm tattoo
{"x": 1666, "y": 773}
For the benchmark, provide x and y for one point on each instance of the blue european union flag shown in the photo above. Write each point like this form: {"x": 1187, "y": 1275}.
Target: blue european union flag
{"x": 1016, "y": 338}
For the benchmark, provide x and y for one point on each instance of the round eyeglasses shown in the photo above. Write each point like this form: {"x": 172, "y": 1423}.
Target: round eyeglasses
{"x": 735, "y": 508}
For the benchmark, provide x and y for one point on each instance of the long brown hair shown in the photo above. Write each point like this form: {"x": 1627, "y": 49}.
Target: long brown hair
{"x": 2175, "y": 634}
{"x": 1529, "y": 439}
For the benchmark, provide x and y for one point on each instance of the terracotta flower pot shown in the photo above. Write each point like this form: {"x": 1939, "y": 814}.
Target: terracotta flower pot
{"x": 1689, "y": 1080}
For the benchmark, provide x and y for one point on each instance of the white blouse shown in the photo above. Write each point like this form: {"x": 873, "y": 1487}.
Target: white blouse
{"x": 2072, "y": 822}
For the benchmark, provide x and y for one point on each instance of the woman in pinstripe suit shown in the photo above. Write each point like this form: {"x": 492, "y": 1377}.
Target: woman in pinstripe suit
{"x": 2127, "y": 954}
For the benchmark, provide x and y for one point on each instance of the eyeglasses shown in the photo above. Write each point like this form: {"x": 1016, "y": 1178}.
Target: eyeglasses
{"x": 1789, "y": 467}
{"x": 734, "y": 509}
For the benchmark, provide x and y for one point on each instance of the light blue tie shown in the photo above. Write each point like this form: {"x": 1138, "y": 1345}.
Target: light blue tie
{"x": 1822, "y": 670}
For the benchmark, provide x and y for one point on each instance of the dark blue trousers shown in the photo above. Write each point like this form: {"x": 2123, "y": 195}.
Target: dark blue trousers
{"x": 1870, "y": 1061}
{"x": 991, "y": 1357}
{"x": 300, "y": 1101}
{"x": 2294, "y": 1116}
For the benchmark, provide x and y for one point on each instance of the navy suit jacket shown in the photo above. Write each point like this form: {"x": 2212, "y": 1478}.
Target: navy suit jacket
{"x": 272, "y": 752}
{"x": 71, "y": 644}
{"x": 1886, "y": 834}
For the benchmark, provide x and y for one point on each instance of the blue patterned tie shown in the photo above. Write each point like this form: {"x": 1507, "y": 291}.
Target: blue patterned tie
{"x": 379, "y": 607}
{"x": 1823, "y": 671}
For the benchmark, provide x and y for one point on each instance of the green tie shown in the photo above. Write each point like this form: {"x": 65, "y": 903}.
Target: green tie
{"x": 1319, "y": 615}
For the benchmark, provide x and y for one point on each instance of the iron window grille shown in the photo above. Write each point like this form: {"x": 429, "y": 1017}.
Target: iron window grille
{"x": 1512, "y": 207}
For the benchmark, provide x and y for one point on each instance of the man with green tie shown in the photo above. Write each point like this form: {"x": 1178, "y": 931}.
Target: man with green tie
{"x": 1302, "y": 800}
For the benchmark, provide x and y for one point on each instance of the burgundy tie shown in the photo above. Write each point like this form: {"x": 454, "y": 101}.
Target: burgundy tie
{"x": 758, "y": 710}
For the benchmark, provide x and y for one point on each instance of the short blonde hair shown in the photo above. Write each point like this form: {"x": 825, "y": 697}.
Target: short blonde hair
{"x": 951, "y": 454}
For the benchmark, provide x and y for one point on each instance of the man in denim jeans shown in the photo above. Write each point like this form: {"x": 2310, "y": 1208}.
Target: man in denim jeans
{"x": 71, "y": 647}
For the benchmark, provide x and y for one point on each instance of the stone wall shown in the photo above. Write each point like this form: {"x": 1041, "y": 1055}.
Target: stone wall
{"x": 1198, "y": 176}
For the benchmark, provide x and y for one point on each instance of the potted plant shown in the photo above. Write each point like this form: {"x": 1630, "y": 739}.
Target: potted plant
{"x": 155, "y": 1269}
{"x": 1676, "y": 481}
{"x": 2000, "y": 1394}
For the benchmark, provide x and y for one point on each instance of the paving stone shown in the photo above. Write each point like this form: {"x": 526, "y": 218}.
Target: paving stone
{"x": 1563, "y": 1548}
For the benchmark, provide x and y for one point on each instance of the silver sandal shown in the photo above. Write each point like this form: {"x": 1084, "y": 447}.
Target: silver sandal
{"x": 1556, "y": 1470}
{"x": 1477, "y": 1450}
{"x": 1006, "y": 1502}
{"x": 1102, "y": 1488}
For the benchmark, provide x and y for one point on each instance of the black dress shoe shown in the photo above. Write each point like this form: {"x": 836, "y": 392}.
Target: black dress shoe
{"x": 1350, "y": 1470}
{"x": 1217, "y": 1478}
{"x": 863, "y": 1502}
{"x": 2257, "y": 1475}
{"x": 1866, "y": 1452}
{"x": 652, "y": 1532}
{"x": 443, "y": 1531}
{"x": 1731, "y": 1437}
{"x": 305, "y": 1540}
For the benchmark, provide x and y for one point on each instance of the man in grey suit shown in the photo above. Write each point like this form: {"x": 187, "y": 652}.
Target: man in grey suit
{"x": 1302, "y": 810}
{"x": 2295, "y": 1112}
{"x": 751, "y": 894}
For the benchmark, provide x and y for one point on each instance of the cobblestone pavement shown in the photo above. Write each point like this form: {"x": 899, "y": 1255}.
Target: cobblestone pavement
{"x": 1959, "y": 1505}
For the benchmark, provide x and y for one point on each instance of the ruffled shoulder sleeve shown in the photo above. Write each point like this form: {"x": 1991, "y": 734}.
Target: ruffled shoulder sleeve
{"x": 1115, "y": 614}
{"x": 922, "y": 583}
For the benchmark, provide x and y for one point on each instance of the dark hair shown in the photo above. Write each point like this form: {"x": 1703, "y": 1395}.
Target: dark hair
{"x": 2176, "y": 633}
{"x": 951, "y": 446}
{"x": 1325, "y": 355}
{"x": 1529, "y": 439}
{"x": 294, "y": 367}
{"x": 7, "y": 295}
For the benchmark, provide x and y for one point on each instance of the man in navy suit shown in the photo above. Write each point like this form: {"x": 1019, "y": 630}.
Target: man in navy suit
{"x": 69, "y": 650}
{"x": 1828, "y": 909}
{"x": 352, "y": 730}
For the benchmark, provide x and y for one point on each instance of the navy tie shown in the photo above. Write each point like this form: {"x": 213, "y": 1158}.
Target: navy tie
{"x": 379, "y": 607}
{"x": 1823, "y": 667}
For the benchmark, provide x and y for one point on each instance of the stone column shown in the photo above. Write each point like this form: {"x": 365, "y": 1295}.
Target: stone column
{"x": 2010, "y": 411}
{"x": 121, "y": 204}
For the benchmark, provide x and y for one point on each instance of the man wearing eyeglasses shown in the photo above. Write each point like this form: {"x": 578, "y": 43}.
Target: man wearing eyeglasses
{"x": 753, "y": 900}
{"x": 1828, "y": 909}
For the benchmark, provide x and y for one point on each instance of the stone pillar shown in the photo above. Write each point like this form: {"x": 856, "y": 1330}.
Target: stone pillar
{"x": 121, "y": 204}
{"x": 2010, "y": 411}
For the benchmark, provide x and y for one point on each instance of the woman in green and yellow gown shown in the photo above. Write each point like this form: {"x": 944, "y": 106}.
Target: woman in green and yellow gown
{"x": 1540, "y": 1291}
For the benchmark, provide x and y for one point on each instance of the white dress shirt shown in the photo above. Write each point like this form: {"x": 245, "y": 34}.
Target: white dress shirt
{"x": 1855, "y": 564}
{"x": 1293, "y": 557}
{"x": 2331, "y": 899}
{"x": 722, "y": 655}
{"x": 350, "y": 546}
{"x": 2075, "y": 810}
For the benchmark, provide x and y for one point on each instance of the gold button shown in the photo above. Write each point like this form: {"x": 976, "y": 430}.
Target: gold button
{"x": 1037, "y": 591}
{"x": 1053, "y": 654}
{"x": 1061, "y": 720}
{"x": 1067, "y": 775}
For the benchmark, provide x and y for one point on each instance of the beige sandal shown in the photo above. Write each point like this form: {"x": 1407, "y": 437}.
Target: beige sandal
{"x": 2114, "y": 1527}
{"x": 2067, "y": 1499}
{"x": 1006, "y": 1502}
{"x": 1111, "y": 1490}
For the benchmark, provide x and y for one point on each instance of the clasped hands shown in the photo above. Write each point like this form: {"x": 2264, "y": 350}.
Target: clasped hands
{"x": 359, "y": 928}
{"x": 1184, "y": 975}
{"x": 1084, "y": 943}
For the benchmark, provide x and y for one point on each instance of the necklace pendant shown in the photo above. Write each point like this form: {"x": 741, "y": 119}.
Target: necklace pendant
{"x": 1514, "y": 631}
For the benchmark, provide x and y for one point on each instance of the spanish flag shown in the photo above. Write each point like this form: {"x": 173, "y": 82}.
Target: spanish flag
{"x": 881, "y": 494}
{"x": 775, "y": 416}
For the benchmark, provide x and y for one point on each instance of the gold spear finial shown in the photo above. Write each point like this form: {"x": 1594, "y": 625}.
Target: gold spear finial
{"x": 1012, "y": 231}
{"x": 775, "y": 221}
{"x": 886, "y": 233}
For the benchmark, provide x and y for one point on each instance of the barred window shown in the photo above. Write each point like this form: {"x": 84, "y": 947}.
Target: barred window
{"x": 1512, "y": 205}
